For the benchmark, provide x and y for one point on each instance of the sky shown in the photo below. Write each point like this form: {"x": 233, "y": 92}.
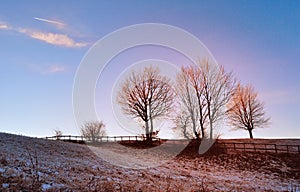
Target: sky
{"x": 42, "y": 43}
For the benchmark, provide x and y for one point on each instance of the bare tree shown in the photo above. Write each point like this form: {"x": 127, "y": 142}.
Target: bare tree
{"x": 188, "y": 90}
{"x": 93, "y": 130}
{"x": 204, "y": 90}
{"x": 195, "y": 77}
{"x": 218, "y": 88}
{"x": 183, "y": 122}
{"x": 246, "y": 111}
{"x": 146, "y": 95}
{"x": 58, "y": 134}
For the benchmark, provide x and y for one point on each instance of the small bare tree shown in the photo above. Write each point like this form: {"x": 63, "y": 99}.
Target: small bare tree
{"x": 246, "y": 111}
{"x": 93, "y": 130}
{"x": 58, "y": 134}
{"x": 146, "y": 95}
{"x": 183, "y": 122}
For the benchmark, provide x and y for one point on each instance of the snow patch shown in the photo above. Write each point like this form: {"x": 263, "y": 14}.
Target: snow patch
{"x": 5, "y": 185}
{"x": 46, "y": 186}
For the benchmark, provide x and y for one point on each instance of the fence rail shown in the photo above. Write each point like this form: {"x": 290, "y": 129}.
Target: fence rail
{"x": 98, "y": 139}
{"x": 225, "y": 146}
{"x": 258, "y": 147}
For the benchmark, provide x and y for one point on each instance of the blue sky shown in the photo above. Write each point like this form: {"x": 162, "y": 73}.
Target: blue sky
{"x": 43, "y": 43}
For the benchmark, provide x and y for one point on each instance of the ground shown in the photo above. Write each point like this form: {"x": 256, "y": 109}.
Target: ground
{"x": 31, "y": 164}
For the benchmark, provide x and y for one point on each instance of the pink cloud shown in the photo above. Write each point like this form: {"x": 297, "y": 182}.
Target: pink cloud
{"x": 53, "y": 38}
{"x": 58, "y": 39}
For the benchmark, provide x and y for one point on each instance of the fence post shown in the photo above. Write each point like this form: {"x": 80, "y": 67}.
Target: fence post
{"x": 275, "y": 148}
{"x": 254, "y": 147}
{"x": 265, "y": 147}
{"x": 129, "y": 138}
{"x": 244, "y": 147}
{"x": 234, "y": 146}
{"x": 135, "y": 138}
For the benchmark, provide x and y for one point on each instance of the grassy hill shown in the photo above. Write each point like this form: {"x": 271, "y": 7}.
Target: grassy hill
{"x": 31, "y": 164}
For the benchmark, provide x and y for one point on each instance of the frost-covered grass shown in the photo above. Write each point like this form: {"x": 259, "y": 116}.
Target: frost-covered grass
{"x": 30, "y": 164}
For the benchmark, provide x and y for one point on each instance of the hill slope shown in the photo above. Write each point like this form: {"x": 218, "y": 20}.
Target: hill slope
{"x": 35, "y": 164}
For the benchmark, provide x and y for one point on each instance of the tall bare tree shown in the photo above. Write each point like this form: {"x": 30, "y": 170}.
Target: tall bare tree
{"x": 146, "y": 95}
{"x": 246, "y": 111}
{"x": 204, "y": 90}
{"x": 190, "y": 92}
{"x": 218, "y": 88}
{"x": 93, "y": 130}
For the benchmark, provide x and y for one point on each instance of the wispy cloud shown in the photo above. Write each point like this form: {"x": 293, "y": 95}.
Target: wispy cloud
{"x": 57, "y": 24}
{"x": 55, "y": 69}
{"x": 3, "y": 26}
{"x": 58, "y": 39}
{"x": 48, "y": 69}
{"x": 53, "y": 38}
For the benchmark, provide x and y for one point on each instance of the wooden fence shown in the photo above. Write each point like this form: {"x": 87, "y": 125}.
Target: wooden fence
{"x": 258, "y": 147}
{"x": 98, "y": 139}
{"x": 224, "y": 146}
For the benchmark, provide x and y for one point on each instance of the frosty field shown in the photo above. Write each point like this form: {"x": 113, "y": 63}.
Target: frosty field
{"x": 28, "y": 164}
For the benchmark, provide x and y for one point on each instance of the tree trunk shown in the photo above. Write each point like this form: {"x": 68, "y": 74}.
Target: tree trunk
{"x": 194, "y": 123}
{"x": 210, "y": 118}
{"x": 250, "y": 133}
{"x": 211, "y": 129}
{"x": 148, "y": 137}
{"x": 151, "y": 127}
{"x": 197, "y": 135}
{"x": 151, "y": 119}
{"x": 147, "y": 132}
{"x": 200, "y": 114}
{"x": 202, "y": 131}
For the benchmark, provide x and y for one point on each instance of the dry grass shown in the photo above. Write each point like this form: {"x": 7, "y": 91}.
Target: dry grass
{"x": 28, "y": 164}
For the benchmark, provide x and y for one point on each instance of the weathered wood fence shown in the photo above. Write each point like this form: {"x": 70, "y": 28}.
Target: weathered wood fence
{"x": 258, "y": 147}
{"x": 99, "y": 139}
{"x": 224, "y": 146}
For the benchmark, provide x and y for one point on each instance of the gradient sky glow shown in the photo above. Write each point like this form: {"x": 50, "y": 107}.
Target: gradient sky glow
{"x": 43, "y": 42}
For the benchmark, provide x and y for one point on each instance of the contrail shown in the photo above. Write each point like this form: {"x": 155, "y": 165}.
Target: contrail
{"x": 49, "y": 21}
